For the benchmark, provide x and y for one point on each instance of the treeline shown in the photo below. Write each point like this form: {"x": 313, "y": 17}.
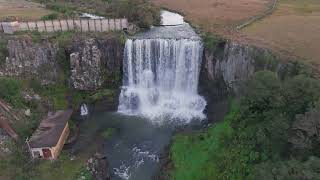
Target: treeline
{"x": 273, "y": 133}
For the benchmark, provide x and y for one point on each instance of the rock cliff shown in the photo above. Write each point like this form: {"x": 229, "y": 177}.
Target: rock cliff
{"x": 93, "y": 61}
{"x": 26, "y": 58}
{"x": 231, "y": 63}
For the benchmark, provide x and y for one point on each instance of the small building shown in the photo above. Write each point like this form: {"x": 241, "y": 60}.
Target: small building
{"x": 48, "y": 140}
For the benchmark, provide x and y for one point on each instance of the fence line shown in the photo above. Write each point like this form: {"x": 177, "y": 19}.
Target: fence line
{"x": 80, "y": 25}
{"x": 257, "y": 18}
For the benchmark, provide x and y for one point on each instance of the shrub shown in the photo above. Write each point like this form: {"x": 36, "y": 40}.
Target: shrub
{"x": 211, "y": 41}
{"x": 10, "y": 91}
{"x": 141, "y": 12}
{"x": 51, "y": 16}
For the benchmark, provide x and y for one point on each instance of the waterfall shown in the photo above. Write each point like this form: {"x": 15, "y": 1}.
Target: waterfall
{"x": 160, "y": 79}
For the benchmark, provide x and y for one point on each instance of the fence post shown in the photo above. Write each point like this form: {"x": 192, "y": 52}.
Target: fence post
{"x": 37, "y": 29}
{"x": 45, "y": 26}
{"x": 1, "y": 27}
{"x": 80, "y": 25}
{"x": 67, "y": 24}
{"x": 88, "y": 25}
{"x": 53, "y": 26}
{"x": 74, "y": 26}
{"x": 108, "y": 25}
{"x": 60, "y": 25}
{"x": 28, "y": 26}
{"x": 95, "y": 27}
{"x": 101, "y": 24}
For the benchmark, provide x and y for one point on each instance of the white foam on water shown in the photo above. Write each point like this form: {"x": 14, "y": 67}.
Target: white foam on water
{"x": 144, "y": 154}
{"x": 123, "y": 172}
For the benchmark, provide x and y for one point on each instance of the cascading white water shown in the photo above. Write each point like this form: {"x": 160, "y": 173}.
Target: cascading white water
{"x": 161, "y": 79}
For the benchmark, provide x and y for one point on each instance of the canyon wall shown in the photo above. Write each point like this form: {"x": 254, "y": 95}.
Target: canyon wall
{"x": 227, "y": 65}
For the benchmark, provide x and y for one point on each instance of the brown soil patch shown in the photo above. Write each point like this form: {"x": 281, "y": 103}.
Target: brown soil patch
{"x": 294, "y": 27}
{"x": 21, "y": 10}
{"x": 216, "y": 15}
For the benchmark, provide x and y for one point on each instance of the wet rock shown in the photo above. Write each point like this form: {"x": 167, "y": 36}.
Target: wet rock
{"x": 86, "y": 72}
{"x": 27, "y": 112}
{"x": 98, "y": 166}
{"x": 30, "y": 96}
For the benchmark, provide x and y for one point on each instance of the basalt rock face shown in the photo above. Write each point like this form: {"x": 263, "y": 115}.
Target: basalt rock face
{"x": 92, "y": 61}
{"x": 29, "y": 59}
{"x": 230, "y": 63}
{"x": 224, "y": 69}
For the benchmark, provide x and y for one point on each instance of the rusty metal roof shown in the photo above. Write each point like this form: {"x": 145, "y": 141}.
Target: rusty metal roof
{"x": 50, "y": 130}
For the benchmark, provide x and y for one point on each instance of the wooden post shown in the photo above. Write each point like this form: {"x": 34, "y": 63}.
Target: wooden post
{"x": 108, "y": 25}
{"x": 95, "y": 27}
{"x": 2, "y": 27}
{"x": 37, "y": 29}
{"x": 28, "y": 26}
{"x": 101, "y": 24}
{"x": 67, "y": 25}
{"x": 80, "y": 25}
{"x": 45, "y": 26}
{"x": 60, "y": 25}
{"x": 53, "y": 26}
{"x": 88, "y": 25}
{"x": 115, "y": 24}
{"x": 74, "y": 25}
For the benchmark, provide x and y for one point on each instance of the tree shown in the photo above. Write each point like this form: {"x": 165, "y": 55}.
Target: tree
{"x": 141, "y": 12}
{"x": 305, "y": 130}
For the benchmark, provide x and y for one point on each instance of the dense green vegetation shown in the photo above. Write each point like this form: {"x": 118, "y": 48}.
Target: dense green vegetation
{"x": 10, "y": 90}
{"x": 51, "y": 16}
{"x": 141, "y": 12}
{"x": 192, "y": 153}
{"x": 272, "y": 135}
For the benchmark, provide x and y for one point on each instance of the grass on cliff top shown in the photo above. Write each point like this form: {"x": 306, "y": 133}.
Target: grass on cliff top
{"x": 293, "y": 29}
{"x": 192, "y": 153}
